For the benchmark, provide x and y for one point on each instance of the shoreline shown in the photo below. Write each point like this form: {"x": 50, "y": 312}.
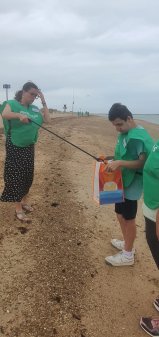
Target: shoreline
{"x": 75, "y": 115}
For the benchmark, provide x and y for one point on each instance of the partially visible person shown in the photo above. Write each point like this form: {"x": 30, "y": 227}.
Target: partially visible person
{"x": 151, "y": 214}
{"x": 133, "y": 147}
{"x": 21, "y": 136}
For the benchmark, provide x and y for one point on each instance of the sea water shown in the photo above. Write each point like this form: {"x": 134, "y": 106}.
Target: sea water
{"x": 152, "y": 118}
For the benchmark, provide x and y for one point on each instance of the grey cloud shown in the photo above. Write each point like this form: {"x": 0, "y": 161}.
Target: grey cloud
{"x": 105, "y": 50}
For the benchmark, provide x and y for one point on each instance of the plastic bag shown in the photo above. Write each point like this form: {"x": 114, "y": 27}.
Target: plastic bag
{"x": 107, "y": 186}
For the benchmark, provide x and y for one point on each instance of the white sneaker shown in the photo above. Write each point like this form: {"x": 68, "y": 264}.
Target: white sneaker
{"x": 119, "y": 244}
{"x": 119, "y": 260}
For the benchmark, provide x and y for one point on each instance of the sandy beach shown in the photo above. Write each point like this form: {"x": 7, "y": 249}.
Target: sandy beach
{"x": 54, "y": 280}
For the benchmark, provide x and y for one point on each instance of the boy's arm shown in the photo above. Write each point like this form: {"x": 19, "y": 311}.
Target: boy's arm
{"x": 137, "y": 163}
{"x": 130, "y": 164}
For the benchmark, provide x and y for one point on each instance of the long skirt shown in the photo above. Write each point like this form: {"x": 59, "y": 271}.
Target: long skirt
{"x": 18, "y": 171}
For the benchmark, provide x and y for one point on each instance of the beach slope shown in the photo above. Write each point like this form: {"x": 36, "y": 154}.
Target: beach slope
{"x": 54, "y": 281}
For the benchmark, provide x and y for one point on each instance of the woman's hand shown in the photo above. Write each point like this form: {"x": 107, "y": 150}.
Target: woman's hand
{"x": 41, "y": 96}
{"x": 45, "y": 112}
{"x": 23, "y": 118}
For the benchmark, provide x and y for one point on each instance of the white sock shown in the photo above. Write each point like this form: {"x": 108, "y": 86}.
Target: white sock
{"x": 128, "y": 254}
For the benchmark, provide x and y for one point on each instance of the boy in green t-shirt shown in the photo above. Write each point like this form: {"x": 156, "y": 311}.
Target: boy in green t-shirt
{"x": 132, "y": 149}
{"x": 151, "y": 214}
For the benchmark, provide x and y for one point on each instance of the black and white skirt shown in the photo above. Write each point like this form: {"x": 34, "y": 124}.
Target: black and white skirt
{"x": 18, "y": 171}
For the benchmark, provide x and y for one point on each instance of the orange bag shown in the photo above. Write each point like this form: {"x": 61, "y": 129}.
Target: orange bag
{"x": 108, "y": 186}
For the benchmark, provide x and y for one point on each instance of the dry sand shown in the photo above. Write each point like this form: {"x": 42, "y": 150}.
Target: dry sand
{"x": 54, "y": 281}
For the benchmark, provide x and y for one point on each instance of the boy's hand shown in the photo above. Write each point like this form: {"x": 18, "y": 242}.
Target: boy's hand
{"x": 113, "y": 165}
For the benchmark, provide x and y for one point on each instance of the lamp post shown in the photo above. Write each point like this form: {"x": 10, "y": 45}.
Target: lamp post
{"x": 6, "y": 86}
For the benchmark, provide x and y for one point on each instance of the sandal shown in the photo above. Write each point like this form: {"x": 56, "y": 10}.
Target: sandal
{"x": 20, "y": 215}
{"x": 27, "y": 208}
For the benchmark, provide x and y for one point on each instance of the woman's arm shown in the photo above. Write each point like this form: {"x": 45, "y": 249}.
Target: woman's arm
{"x": 8, "y": 114}
{"x": 46, "y": 113}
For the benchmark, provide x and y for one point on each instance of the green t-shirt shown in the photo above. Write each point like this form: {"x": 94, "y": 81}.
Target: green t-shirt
{"x": 151, "y": 179}
{"x": 122, "y": 151}
{"x": 22, "y": 135}
{"x": 134, "y": 190}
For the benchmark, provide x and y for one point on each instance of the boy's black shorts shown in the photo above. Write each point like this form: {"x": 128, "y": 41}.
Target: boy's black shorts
{"x": 127, "y": 209}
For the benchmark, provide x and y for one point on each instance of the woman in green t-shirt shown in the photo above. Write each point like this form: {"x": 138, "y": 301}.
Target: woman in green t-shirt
{"x": 151, "y": 214}
{"x": 21, "y": 135}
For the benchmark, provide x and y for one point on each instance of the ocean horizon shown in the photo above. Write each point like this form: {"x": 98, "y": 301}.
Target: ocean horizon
{"x": 152, "y": 118}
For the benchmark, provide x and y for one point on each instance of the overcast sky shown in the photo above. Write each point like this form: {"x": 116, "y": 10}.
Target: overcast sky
{"x": 100, "y": 51}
